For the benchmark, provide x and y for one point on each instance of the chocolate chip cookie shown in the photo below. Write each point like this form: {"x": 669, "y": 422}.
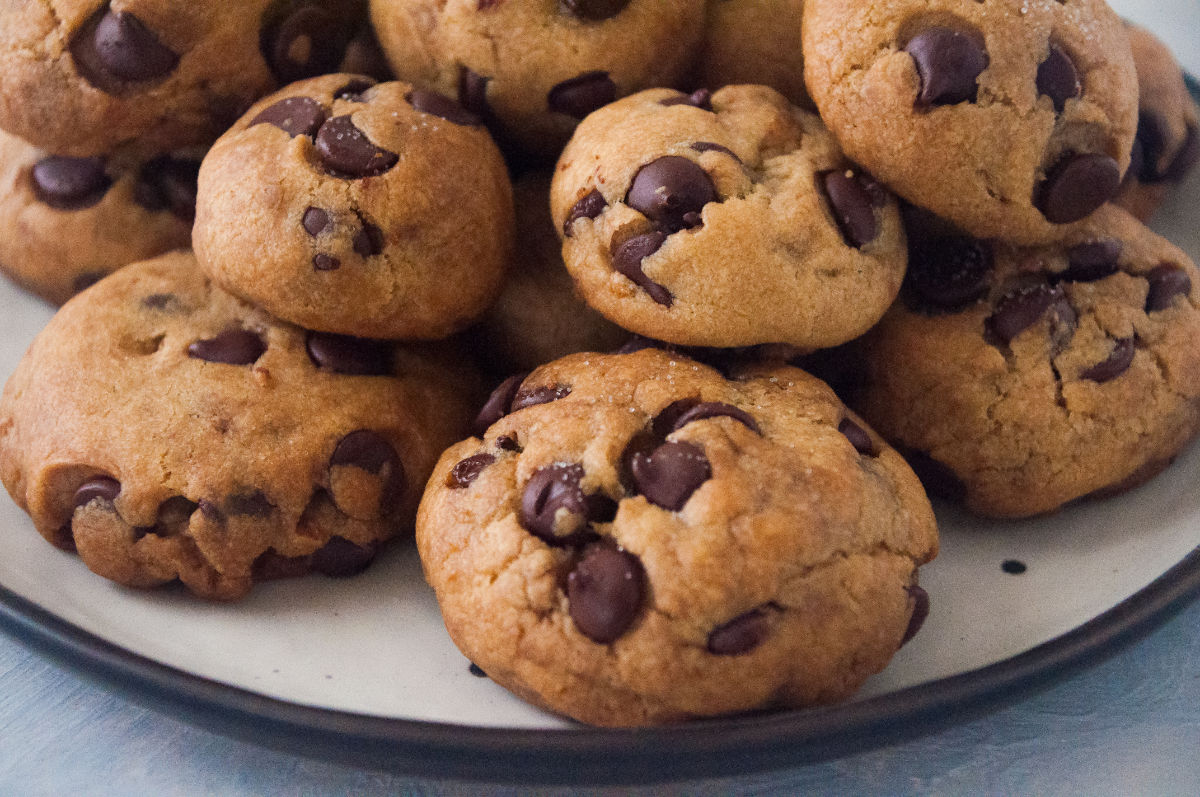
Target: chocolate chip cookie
{"x": 1167, "y": 145}
{"x": 1009, "y": 118}
{"x": 538, "y": 316}
{"x": 729, "y": 219}
{"x": 84, "y": 77}
{"x": 1023, "y": 378}
{"x": 66, "y": 222}
{"x": 166, "y": 430}
{"x": 755, "y": 41}
{"x": 636, "y": 539}
{"x": 534, "y": 68}
{"x": 358, "y": 208}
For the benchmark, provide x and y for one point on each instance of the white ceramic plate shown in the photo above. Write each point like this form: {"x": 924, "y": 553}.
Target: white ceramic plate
{"x": 362, "y": 669}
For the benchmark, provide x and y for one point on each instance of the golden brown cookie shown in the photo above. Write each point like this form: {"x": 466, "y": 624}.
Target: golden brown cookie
{"x": 1009, "y": 118}
{"x": 637, "y": 539}
{"x": 166, "y": 430}
{"x": 754, "y": 41}
{"x": 1024, "y": 378}
{"x": 725, "y": 220}
{"x": 67, "y": 222}
{"x": 342, "y": 205}
{"x": 534, "y": 68}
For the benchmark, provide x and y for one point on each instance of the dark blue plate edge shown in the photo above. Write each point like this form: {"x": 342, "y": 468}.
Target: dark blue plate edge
{"x": 708, "y": 748}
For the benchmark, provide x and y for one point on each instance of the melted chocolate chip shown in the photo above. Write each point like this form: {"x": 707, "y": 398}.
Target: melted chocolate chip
{"x": 441, "y": 106}
{"x": 708, "y": 146}
{"x": 589, "y": 206}
{"x": 582, "y": 94}
{"x": 315, "y": 221}
{"x": 538, "y": 395}
{"x": 499, "y": 403}
{"x": 700, "y": 98}
{"x": 671, "y": 191}
{"x": 853, "y": 207}
{"x": 354, "y": 90}
{"x": 340, "y": 558}
{"x": 670, "y": 474}
{"x": 368, "y": 241}
{"x": 344, "y": 354}
{"x": 468, "y": 470}
{"x": 712, "y": 409}
{"x": 104, "y": 488}
{"x": 627, "y": 260}
{"x": 306, "y": 40}
{"x": 249, "y": 504}
{"x": 69, "y": 183}
{"x": 1057, "y": 78}
{"x": 369, "y": 451}
{"x": 1115, "y": 364}
{"x": 593, "y": 10}
{"x": 325, "y": 262}
{"x": 1076, "y": 186}
{"x": 858, "y": 437}
{"x": 346, "y": 151}
{"x": 113, "y": 49}
{"x": 604, "y": 592}
{"x": 168, "y": 183}
{"x": 1093, "y": 260}
{"x": 949, "y": 63}
{"x": 740, "y": 635}
{"x": 554, "y": 507}
{"x": 296, "y": 116}
{"x": 1021, "y": 308}
{"x": 948, "y": 273}
{"x": 920, "y": 612}
{"x": 1166, "y": 282}
{"x": 234, "y": 346}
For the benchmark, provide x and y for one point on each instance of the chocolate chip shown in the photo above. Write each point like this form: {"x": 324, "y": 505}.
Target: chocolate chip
{"x": 315, "y": 221}
{"x": 1187, "y": 156}
{"x": 477, "y": 671}
{"x": 499, "y": 403}
{"x": 104, "y": 488}
{"x": 308, "y": 40}
{"x": 604, "y": 592}
{"x": 858, "y": 437}
{"x": 296, "y": 116}
{"x": 250, "y": 504}
{"x": 1057, "y": 78}
{"x": 668, "y": 418}
{"x": 234, "y": 346}
{"x": 1166, "y": 282}
{"x": 366, "y": 450}
{"x": 368, "y": 241}
{"x": 325, "y": 262}
{"x": 1151, "y": 141}
{"x": 713, "y": 409}
{"x": 671, "y": 191}
{"x": 1092, "y": 260}
{"x": 669, "y": 474}
{"x": 354, "y": 90}
{"x": 166, "y": 302}
{"x": 346, "y": 151}
{"x": 472, "y": 92}
{"x": 507, "y": 443}
{"x": 948, "y": 273}
{"x": 69, "y": 183}
{"x": 538, "y": 395}
{"x": 441, "y": 106}
{"x": 627, "y": 259}
{"x": 114, "y": 48}
{"x": 740, "y": 635}
{"x": 589, "y": 207}
{"x": 468, "y": 470}
{"x": 708, "y": 146}
{"x": 1117, "y": 362}
{"x": 700, "y": 98}
{"x": 1014, "y": 567}
{"x": 853, "y": 207}
{"x": 1076, "y": 186}
{"x": 1021, "y": 308}
{"x": 340, "y": 558}
{"x": 344, "y": 354}
{"x": 554, "y": 507}
{"x": 949, "y": 63}
{"x": 936, "y": 477}
{"x": 593, "y": 10}
{"x": 582, "y": 94}
{"x": 919, "y": 613}
{"x": 168, "y": 183}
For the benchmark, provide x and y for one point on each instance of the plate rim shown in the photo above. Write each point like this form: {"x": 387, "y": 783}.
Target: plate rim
{"x": 703, "y": 748}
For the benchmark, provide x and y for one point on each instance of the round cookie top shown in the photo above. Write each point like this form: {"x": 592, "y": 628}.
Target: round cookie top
{"x": 1009, "y": 118}
{"x": 641, "y": 540}
{"x": 1024, "y": 378}
{"x": 729, "y": 219}
{"x": 66, "y": 222}
{"x": 167, "y": 430}
{"x": 534, "y": 68}
{"x": 342, "y": 205}
{"x": 755, "y": 41}
{"x": 82, "y": 77}
{"x": 1167, "y": 146}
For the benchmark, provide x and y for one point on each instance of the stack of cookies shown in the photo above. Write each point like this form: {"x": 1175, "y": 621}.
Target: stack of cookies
{"x": 916, "y": 201}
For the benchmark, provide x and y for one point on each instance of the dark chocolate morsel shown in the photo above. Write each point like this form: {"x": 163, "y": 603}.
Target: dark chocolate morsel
{"x": 593, "y": 10}
{"x": 499, "y": 403}
{"x": 920, "y": 612}
{"x": 353, "y": 91}
{"x": 949, "y": 63}
{"x": 580, "y": 95}
{"x": 315, "y": 221}
{"x": 114, "y": 48}
{"x": 344, "y": 354}
{"x": 948, "y": 273}
{"x": 1092, "y": 260}
{"x": 740, "y": 635}
{"x": 309, "y": 39}
{"x": 1057, "y": 78}
{"x": 554, "y": 507}
{"x": 700, "y": 98}
{"x": 346, "y": 151}
{"x": 853, "y": 207}
{"x": 1166, "y": 282}
{"x": 441, "y": 106}
{"x": 1076, "y": 186}
{"x": 468, "y": 470}
{"x": 1115, "y": 364}
{"x": 507, "y": 443}
{"x": 234, "y": 346}
{"x": 249, "y": 504}
{"x": 714, "y": 409}
{"x": 858, "y": 437}
{"x": 168, "y": 183}
{"x": 708, "y": 146}
{"x": 364, "y": 449}
{"x": 105, "y": 488}
{"x": 669, "y": 189}
{"x": 1151, "y": 143}
{"x": 341, "y": 558}
{"x": 69, "y": 183}
{"x": 368, "y": 241}
{"x": 1021, "y": 309}
{"x": 538, "y": 395}
{"x": 472, "y": 92}
{"x": 627, "y": 259}
{"x": 604, "y": 592}
{"x": 589, "y": 206}
{"x": 296, "y": 116}
{"x": 670, "y": 474}
{"x": 325, "y": 262}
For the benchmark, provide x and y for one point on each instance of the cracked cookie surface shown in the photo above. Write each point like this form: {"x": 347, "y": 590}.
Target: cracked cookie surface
{"x": 725, "y": 220}
{"x": 637, "y": 539}
{"x": 1025, "y": 378}
{"x": 1009, "y": 118}
{"x": 67, "y": 222}
{"x": 166, "y": 430}
{"x": 83, "y": 77}
{"x": 534, "y": 68}
{"x": 359, "y": 208}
